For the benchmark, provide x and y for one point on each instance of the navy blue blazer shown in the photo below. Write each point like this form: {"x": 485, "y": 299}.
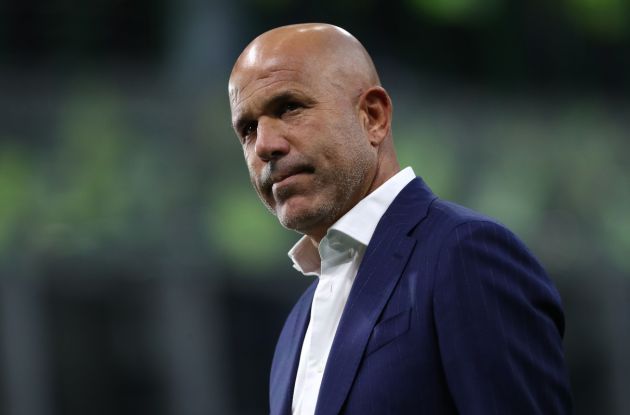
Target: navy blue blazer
{"x": 449, "y": 314}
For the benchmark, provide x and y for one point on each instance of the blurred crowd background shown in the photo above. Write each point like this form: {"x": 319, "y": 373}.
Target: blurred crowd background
{"x": 139, "y": 274}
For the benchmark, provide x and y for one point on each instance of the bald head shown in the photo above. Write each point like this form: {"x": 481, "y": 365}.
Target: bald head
{"x": 323, "y": 50}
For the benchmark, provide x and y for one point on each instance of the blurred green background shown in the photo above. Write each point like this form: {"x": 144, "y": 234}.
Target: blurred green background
{"x": 140, "y": 274}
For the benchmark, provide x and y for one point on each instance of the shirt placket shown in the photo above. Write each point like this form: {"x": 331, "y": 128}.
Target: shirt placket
{"x": 324, "y": 308}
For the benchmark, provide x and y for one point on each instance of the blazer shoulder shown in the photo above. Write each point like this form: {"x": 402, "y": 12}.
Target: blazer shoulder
{"x": 446, "y": 220}
{"x": 443, "y": 217}
{"x": 454, "y": 214}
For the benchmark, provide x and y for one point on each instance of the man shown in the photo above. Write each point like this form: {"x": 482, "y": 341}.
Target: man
{"x": 420, "y": 306}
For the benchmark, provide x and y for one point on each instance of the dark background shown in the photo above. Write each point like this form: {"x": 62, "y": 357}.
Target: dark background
{"x": 139, "y": 273}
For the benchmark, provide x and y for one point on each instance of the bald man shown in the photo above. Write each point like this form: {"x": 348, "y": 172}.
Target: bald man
{"x": 418, "y": 305}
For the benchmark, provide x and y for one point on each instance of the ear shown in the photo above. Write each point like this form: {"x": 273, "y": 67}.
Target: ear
{"x": 375, "y": 107}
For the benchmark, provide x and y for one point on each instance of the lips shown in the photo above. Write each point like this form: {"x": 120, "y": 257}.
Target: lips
{"x": 277, "y": 178}
{"x": 277, "y": 173}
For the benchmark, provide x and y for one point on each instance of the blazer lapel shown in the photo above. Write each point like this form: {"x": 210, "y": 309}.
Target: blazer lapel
{"x": 380, "y": 270}
{"x": 287, "y": 355}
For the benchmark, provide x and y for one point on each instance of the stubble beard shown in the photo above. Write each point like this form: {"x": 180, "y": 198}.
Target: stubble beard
{"x": 342, "y": 187}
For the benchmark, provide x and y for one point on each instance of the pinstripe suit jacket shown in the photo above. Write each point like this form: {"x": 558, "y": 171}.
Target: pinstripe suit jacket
{"x": 449, "y": 314}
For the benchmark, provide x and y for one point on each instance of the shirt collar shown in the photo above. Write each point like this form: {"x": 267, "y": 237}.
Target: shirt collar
{"x": 358, "y": 223}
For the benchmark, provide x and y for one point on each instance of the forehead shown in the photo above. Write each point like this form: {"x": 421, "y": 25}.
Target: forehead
{"x": 253, "y": 81}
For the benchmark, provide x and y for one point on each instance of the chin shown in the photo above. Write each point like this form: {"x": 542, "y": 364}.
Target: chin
{"x": 292, "y": 217}
{"x": 297, "y": 222}
{"x": 306, "y": 219}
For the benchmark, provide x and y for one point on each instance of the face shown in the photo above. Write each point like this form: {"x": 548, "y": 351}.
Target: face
{"x": 308, "y": 154}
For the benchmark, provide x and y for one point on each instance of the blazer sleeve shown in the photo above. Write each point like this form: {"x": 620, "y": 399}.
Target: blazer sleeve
{"x": 499, "y": 324}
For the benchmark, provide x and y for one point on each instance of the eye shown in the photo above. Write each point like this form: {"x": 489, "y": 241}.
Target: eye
{"x": 289, "y": 107}
{"x": 248, "y": 130}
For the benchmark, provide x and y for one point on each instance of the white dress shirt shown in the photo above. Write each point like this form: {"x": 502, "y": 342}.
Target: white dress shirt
{"x": 335, "y": 262}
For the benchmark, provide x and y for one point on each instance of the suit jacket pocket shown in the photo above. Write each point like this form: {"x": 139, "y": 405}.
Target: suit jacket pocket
{"x": 388, "y": 330}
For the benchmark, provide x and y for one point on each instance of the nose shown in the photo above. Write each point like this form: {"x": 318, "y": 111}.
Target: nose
{"x": 270, "y": 140}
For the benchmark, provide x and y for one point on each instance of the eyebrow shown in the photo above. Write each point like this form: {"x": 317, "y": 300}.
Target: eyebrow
{"x": 271, "y": 102}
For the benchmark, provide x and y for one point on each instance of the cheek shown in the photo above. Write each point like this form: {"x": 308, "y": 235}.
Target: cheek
{"x": 345, "y": 139}
{"x": 254, "y": 172}
{"x": 248, "y": 153}
{"x": 251, "y": 160}
{"x": 303, "y": 129}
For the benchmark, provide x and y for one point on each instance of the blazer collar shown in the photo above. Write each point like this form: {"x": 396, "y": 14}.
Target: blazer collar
{"x": 381, "y": 268}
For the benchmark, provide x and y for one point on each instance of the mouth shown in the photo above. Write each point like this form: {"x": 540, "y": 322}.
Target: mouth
{"x": 285, "y": 176}
{"x": 278, "y": 179}
{"x": 285, "y": 180}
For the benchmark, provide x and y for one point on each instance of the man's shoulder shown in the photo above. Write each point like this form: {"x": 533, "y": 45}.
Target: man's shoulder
{"x": 451, "y": 215}
{"x": 450, "y": 224}
{"x": 436, "y": 217}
